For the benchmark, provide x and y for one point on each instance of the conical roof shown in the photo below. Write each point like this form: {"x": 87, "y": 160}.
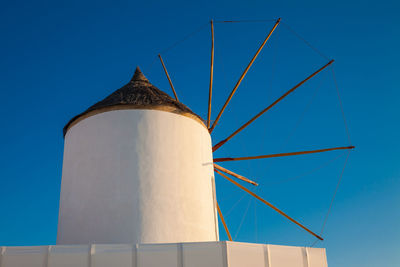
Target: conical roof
{"x": 139, "y": 93}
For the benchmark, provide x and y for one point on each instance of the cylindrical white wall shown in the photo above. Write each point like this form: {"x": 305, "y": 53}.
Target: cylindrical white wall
{"x": 137, "y": 176}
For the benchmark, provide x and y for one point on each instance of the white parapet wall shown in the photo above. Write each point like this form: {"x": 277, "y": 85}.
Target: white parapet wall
{"x": 210, "y": 254}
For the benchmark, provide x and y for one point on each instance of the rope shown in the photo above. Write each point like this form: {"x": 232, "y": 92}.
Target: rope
{"x": 305, "y": 41}
{"x": 234, "y": 205}
{"x": 184, "y": 38}
{"x": 151, "y": 64}
{"x": 245, "y": 21}
{"x": 334, "y": 194}
{"x": 241, "y": 222}
{"x": 255, "y": 219}
{"x": 333, "y": 197}
{"x": 323, "y": 165}
{"x": 315, "y": 242}
{"x": 245, "y": 150}
{"x": 299, "y": 120}
{"x": 302, "y": 115}
{"x": 341, "y": 105}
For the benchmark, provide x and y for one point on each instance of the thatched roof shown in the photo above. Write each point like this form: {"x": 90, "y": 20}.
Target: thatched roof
{"x": 138, "y": 93}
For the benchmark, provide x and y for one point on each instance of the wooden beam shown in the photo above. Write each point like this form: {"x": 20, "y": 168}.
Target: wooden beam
{"x": 269, "y": 204}
{"x": 270, "y": 106}
{"x": 240, "y": 177}
{"x": 211, "y": 75}
{"x": 243, "y": 74}
{"x": 224, "y": 223}
{"x": 284, "y": 154}
{"x": 169, "y": 79}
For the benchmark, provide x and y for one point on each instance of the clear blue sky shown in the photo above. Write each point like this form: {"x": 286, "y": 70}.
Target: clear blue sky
{"x": 59, "y": 57}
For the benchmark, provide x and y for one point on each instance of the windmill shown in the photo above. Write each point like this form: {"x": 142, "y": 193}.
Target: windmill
{"x": 138, "y": 186}
{"x": 139, "y": 167}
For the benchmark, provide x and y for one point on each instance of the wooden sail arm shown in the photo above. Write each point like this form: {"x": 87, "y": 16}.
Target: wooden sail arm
{"x": 169, "y": 79}
{"x": 223, "y": 222}
{"x": 269, "y": 204}
{"x": 211, "y": 75}
{"x": 284, "y": 154}
{"x": 240, "y": 177}
{"x": 243, "y": 74}
{"x": 218, "y": 145}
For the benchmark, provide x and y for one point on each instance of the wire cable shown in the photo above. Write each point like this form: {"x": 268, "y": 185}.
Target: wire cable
{"x": 334, "y": 194}
{"x": 245, "y": 21}
{"x": 255, "y": 219}
{"x": 305, "y": 41}
{"x": 321, "y": 166}
{"x": 234, "y": 205}
{"x": 184, "y": 38}
{"x": 241, "y": 222}
{"x": 341, "y": 105}
{"x": 301, "y": 117}
{"x": 333, "y": 197}
{"x": 299, "y": 120}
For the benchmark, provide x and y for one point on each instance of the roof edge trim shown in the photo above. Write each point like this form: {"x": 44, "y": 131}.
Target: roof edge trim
{"x": 165, "y": 108}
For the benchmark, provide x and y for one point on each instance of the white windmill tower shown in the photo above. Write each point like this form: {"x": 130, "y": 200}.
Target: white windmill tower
{"x": 137, "y": 169}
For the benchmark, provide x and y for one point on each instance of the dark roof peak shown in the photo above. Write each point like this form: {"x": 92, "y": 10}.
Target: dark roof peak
{"x": 139, "y": 76}
{"x": 139, "y": 93}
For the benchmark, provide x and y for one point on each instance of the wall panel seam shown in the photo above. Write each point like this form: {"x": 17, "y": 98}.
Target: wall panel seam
{"x": 2, "y": 250}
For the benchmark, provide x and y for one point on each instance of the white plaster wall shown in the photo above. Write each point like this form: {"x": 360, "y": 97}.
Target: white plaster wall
{"x": 209, "y": 254}
{"x": 137, "y": 176}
